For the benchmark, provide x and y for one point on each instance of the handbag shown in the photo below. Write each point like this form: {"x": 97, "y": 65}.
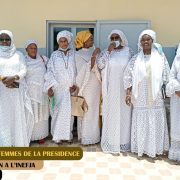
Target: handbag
{"x": 78, "y": 106}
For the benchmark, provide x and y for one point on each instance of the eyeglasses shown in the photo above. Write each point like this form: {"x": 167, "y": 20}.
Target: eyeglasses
{"x": 5, "y": 40}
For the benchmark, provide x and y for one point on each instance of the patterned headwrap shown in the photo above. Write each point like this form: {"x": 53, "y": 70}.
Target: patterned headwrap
{"x": 7, "y": 51}
{"x": 31, "y": 41}
{"x": 81, "y": 38}
{"x": 65, "y": 34}
{"x": 122, "y": 36}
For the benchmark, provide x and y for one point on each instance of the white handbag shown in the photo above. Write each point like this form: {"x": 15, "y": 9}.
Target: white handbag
{"x": 78, "y": 106}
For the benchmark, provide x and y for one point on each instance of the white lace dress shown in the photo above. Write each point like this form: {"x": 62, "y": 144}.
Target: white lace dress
{"x": 35, "y": 81}
{"x": 116, "y": 115}
{"x": 149, "y": 133}
{"x": 16, "y": 116}
{"x": 172, "y": 86}
{"x": 61, "y": 74}
{"x": 89, "y": 84}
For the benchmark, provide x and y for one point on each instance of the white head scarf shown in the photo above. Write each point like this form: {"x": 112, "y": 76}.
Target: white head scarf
{"x": 7, "y": 51}
{"x": 65, "y": 34}
{"x": 148, "y": 32}
{"x": 31, "y": 41}
{"x": 153, "y": 36}
{"x": 122, "y": 36}
{"x": 156, "y": 61}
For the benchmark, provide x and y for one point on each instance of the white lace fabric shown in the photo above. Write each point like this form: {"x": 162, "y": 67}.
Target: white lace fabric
{"x": 116, "y": 115}
{"x": 149, "y": 134}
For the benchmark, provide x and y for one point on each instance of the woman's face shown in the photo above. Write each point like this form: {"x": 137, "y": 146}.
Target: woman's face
{"x": 5, "y": 40}
{"x": 115, "y": 37}
{"x": 89, "y": 43}
{"x": 32, "y": 50}
{"x": 146, "y": 42}
{"x": 63, "y": 43}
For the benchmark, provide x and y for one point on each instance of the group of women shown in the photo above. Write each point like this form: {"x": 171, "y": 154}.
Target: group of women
{"x": 131, "y": 88}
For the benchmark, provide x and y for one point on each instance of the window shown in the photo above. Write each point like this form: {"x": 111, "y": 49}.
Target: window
{"x": 99, "y": 29}
{"x": 56, "y": 26}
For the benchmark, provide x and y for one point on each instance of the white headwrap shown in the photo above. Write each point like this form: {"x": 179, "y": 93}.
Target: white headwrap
{"x": 7, "y": 51}
{"x": 65, "y": 34}
{"x": 148, "y": 32}
{"x": 122, "y": 36}
{"x": 31, "y": 41}
{"x": 156, "y": 61}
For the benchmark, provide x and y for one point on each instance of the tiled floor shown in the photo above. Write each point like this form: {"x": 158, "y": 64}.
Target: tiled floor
{"x": 96, "y": 165}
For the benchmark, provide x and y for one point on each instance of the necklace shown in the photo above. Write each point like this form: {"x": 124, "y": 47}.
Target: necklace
{"x": 65, "y": 61}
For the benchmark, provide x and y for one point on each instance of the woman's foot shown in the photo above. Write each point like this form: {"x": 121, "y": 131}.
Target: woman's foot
{"x": 57, "y": 141}
{"x": 67, "y": 141}
{"x": 140, "y": 157}
{"x": 70, "y": 141}
{"x": 115, "y": 154}
{"x": 41, "y": 141}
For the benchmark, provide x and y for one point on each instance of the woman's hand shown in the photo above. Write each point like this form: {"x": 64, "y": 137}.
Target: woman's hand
{"x": 94, "y": 55}
{"x": 96, "y": 52}
{"x": 8, "y": 80}
{"x": 128, "y": 96}
{"x": 128, "y": 100}
{"x": 72, "y": 89}
{"x": 111, "y": 47}
{"x": 50, "y": 92}
{"x": 178, "y": 93}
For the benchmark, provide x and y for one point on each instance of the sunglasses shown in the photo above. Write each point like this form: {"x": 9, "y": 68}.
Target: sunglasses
{"x": 115, "y": 38}
{"x": 5, "y": 40}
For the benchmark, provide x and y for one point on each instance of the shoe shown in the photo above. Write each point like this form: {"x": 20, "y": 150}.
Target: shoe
{"x": 57, "y": 141}
{"x": 41, "y": 141}
{"x": 70, "y": 141}
{"x": 115, "y": 154}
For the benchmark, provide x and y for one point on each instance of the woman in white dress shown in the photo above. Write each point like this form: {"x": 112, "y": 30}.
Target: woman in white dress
{"x": 36, "y": 69}
{"x": 143, "y": 78}
{"x": 60, "y": 82}
{"x": 16, "y": 116}
{"x": 173, "y": 91}
{"x": 89, "y": 83}
{"x": 116, "y": 115}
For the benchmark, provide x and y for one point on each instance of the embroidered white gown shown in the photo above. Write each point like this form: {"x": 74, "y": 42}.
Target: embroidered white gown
{"x": 16, "y": 116}
{"x": 116, "y": 115}
{"x": 36, "y": 69}
{"x": 172, "y": 86}
{"x": 61, "y": 74}
{"x": 89, "y": 84}
{"x": 149, "y": 133}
